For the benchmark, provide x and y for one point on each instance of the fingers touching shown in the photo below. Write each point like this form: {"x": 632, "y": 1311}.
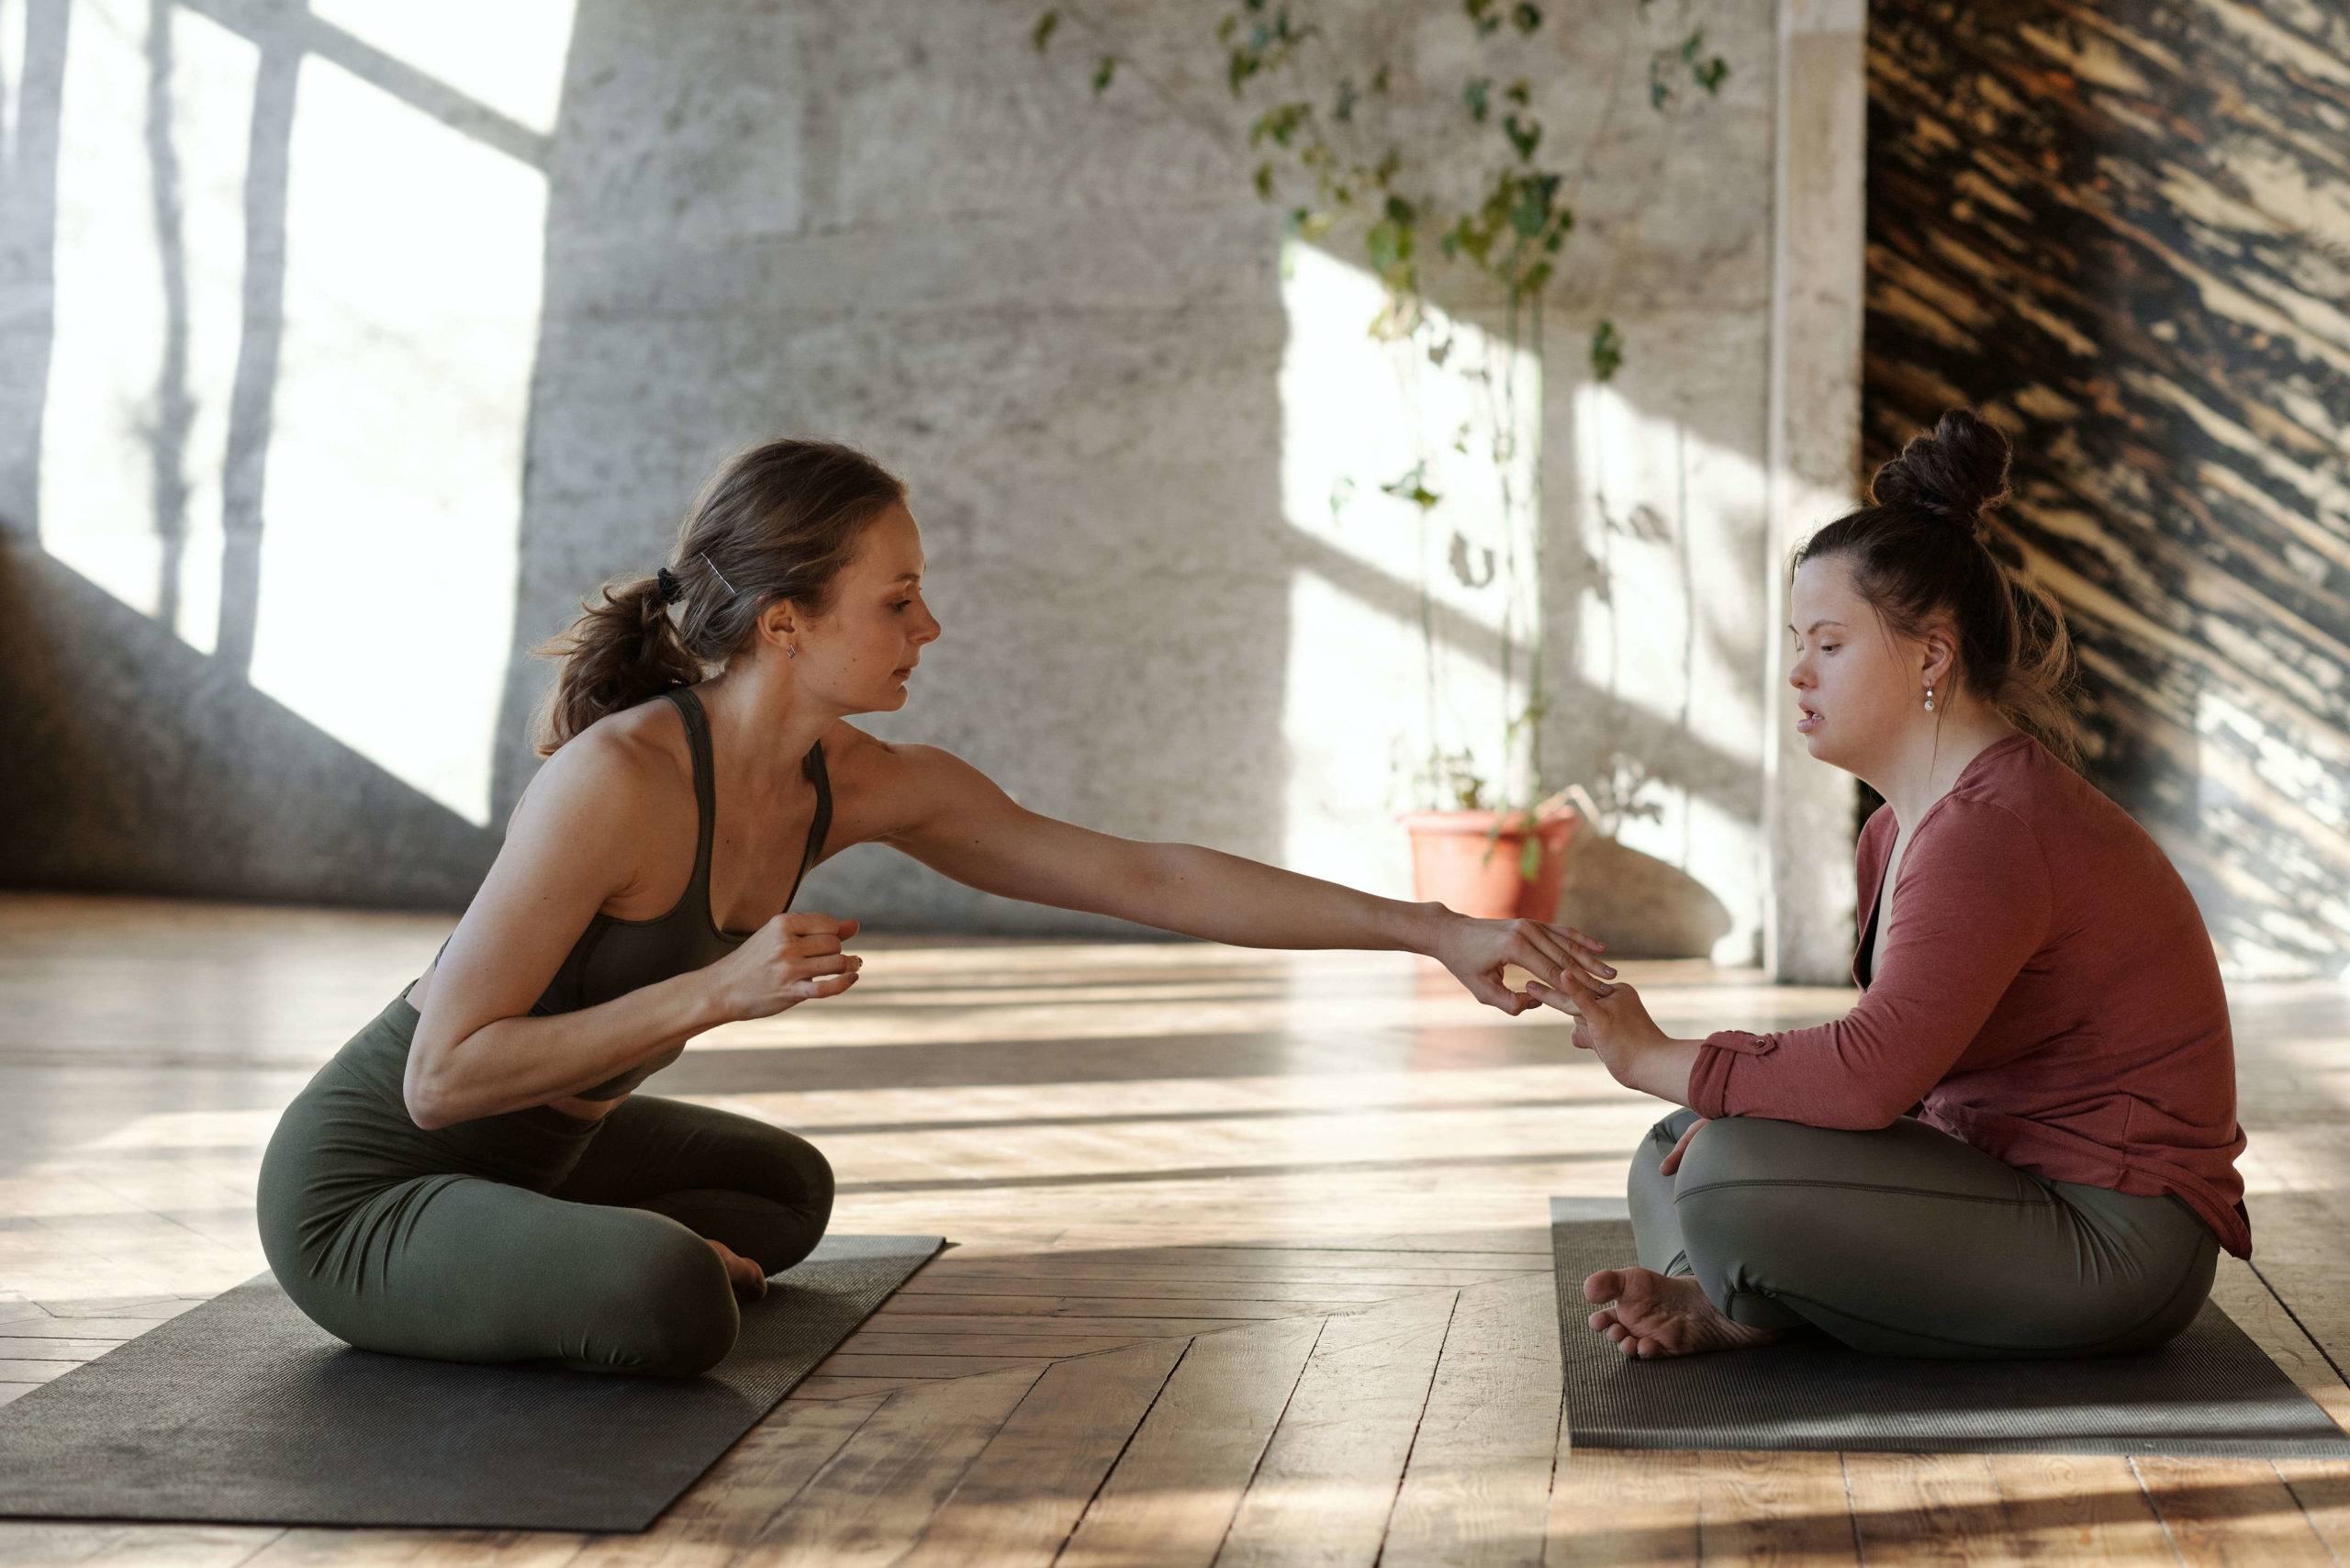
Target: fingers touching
{"x": 1563, "y": 947}
{"x": 1576, "y": 994}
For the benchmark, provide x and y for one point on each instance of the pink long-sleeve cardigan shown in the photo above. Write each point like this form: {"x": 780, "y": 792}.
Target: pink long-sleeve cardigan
{"x": 2046, "y": 992}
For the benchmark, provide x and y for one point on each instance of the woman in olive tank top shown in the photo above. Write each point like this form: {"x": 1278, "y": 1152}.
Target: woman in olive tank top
{"x": 476, "y": 1176}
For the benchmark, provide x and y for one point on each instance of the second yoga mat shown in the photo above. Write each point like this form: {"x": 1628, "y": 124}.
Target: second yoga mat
{"x": 2210, "y": 1393}
{"x": 244, "y": 1411}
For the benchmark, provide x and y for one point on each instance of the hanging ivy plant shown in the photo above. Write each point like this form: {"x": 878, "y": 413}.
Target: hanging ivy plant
{"x": 1311, "y": 148}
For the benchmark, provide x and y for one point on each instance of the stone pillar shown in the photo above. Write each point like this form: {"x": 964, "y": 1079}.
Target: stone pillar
{"x": 1814, "y": 457}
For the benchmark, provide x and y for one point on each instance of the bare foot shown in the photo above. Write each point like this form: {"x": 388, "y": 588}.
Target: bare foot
{"x": 750, "y": 1281}
{"x": 1651, "y": 1314}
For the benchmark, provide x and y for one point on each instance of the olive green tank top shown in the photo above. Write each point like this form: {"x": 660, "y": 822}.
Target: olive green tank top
{"x": 615, "y": 956}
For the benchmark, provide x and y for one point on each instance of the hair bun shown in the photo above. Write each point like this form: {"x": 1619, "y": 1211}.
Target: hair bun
{"x": 1958, "y": 470}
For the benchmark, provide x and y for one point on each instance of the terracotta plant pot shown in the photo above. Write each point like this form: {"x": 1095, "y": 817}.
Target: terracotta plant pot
{"x": 1461, "y": 862}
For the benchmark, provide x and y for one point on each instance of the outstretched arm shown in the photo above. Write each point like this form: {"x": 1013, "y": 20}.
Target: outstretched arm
{"x": 954, "y": 819}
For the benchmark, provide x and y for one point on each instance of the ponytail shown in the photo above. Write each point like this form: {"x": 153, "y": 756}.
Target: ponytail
{"x": 615, "y": 656}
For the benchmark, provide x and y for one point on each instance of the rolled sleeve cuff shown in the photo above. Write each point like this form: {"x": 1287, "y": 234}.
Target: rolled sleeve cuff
{"x": 1710, "y": 1075}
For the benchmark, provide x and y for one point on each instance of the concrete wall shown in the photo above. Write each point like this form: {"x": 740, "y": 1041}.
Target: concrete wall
{"x": 344, "y": 351}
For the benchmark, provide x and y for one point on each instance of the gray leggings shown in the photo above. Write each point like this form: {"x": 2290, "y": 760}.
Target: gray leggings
{"x": 1908, "y": 1242}
{"x": 528, "y": 1236}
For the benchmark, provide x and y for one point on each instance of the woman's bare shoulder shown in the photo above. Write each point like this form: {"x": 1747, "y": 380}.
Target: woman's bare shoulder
{"x": 613, "y": 769}
{"x": 879, "y": 787}
{"x": 847, "y": 747}
{"x": 855, "y": 757}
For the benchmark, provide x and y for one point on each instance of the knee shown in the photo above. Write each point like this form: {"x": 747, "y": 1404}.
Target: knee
{"x": 687, "y": 1343}
{"x": 674, "y": 1308}
{"x": 1731, "y": 1150}
{"x": 1667, "y": 1133}
{"x": 1734, "y": 1197}
{"x": 813, "y": 1174}
{"x": 797, "y": 1178}
{"x": 1655, "y": 1145}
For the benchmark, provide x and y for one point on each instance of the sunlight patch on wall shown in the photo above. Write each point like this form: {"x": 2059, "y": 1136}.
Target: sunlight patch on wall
{"x": 1673, "y": 523}
{"x": 2256, "y": 762}
{"x": 149, "y": 268}
{"x": 1363, "y": 424}
{"x": 508, "y": 56}
{"x": 1658, "y": 506}
{"x": 392, "y": 473}
{"x": 393, "y": 481}
{"x": 12, "y": 72}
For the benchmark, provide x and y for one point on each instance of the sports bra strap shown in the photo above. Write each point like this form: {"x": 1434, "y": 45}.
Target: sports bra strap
{"x": 705, "y": 785}
{"x": 812, "y": 765}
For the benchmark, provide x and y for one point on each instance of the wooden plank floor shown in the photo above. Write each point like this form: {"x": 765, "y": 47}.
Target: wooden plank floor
{"x": 1250, "y": 1263}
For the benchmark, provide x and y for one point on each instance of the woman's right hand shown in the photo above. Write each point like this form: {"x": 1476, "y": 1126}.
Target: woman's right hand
{"x": 790, "y": 959}
{"x": 1671, "y": 1162}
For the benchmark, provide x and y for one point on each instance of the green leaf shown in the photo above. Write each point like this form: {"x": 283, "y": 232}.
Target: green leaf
{"x": 1465, "y": 237}
{"x": 1520, "y": 92}
{"x": 1476, "y": 96}
{"x": 1379, "y": 79}
{"x": 1103, "y": 73}
{"x": 1412, "y": 487}
{"x": 1264, "y": 180}
{"x": 1279, "y": 124}
{"x": 1226, "y": 28}
{"x": 1524, "y": 135}
{"x": 1712, "y": 73}
{"x": 1042, "y": 33}
{"x": 1345, "y": 109}
{"x": 1691, "y": 45}
{"x": 1342, "y": 490}
{"x": 1529, "y": 858}
{"x": 1532, "y": 213}
{"x": 1528, "y": 18}
{"x": 1310, "y": 226}
{"x": 1606, "y": 350}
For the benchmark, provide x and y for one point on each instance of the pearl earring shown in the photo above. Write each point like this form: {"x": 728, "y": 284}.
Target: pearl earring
{"x": 1929, "y": 700}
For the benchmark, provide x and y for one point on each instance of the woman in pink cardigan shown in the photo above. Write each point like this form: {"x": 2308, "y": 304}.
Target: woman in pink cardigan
{"x": 2022, "y": 1140}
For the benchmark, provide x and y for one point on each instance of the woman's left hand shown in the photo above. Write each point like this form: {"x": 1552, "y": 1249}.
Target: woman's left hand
{"x": 1611, "y": 1022}
{"x": 1477, "y": 951}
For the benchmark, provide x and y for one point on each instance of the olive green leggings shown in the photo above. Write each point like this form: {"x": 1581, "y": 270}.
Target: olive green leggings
{"x": 1908, "y": 1242}
{"x": 528, "y": 1236}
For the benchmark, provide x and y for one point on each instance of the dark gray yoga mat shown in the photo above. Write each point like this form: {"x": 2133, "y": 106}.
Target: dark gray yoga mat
{"x": 2210, "y": 1393}
{"x": 244, "y": 1411}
